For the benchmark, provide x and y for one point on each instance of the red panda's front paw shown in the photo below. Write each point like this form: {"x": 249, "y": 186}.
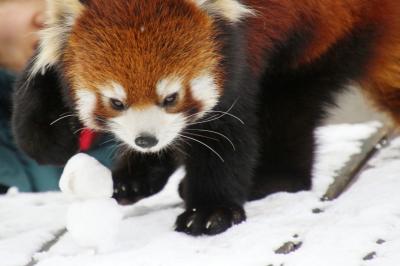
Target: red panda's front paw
{"x": 209, "y": 221}
{"x": 127, "y": 193}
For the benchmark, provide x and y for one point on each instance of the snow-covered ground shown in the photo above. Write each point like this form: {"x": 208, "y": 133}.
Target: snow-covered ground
{"x": 365, "y": 219}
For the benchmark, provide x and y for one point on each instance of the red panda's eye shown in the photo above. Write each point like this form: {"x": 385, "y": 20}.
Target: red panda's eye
{"x": 117, "y": 105}
{"x": 170, "y": 100}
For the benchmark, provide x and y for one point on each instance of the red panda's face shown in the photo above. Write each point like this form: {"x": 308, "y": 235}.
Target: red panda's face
{"x": 143, "y": 69}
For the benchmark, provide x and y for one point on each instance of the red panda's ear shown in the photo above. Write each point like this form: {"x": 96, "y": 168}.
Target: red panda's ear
{"x": 60, "y": 17}
{"x": 231, "y": 10}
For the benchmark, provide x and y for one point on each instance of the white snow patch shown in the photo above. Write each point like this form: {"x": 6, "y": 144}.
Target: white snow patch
{"x": 94, "y": 223}
{"x": 28, "y": 221}
{"x": 343, "y": 234}
{"x": 336, "y": 145}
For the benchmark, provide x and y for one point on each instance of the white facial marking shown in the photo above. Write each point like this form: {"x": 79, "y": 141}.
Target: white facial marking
{"x": 86, "y": 104}
{"x": 114, "y": 91}
{"x": 205, "y": 90}
{"x": 168, "y": 86}
{"x": 60, "y": 17}
{"x": 200, "y": 2}
{"x": 232, "y": 10}
{"x": 153, "y": 120}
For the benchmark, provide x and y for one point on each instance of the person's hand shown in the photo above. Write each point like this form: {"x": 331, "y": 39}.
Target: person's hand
{"x": 20, "y": 21}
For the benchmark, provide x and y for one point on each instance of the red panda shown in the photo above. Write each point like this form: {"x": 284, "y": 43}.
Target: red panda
{"x": 233, "y": 90}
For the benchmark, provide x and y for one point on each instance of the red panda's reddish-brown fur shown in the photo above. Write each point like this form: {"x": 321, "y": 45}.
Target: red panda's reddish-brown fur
{"x": 142, "y": 49}
{"x": 269, "y": 26}
{"x": 331, "y": 21}
{"x": 382, "y": 81}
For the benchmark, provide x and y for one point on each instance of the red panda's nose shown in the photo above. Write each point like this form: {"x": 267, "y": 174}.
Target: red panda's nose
{"x": 146, "y": 141}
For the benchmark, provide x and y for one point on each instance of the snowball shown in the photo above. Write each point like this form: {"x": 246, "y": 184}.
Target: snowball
{"x": 94, "y": 220}
{"x": 12, "y": 191}
{"x": 94, "y": 223}
{"x": 86, "y": 178}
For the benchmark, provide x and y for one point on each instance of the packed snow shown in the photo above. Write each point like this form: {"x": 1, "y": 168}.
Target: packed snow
{"x": 362, "y": 227}
{"x": 94, "y": 219}
{"x": 94, "y": 223}
{"x": 85, "y": 177}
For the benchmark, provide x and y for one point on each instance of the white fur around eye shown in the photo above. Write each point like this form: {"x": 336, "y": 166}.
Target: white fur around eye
{"x": 60, "y": 17}
{"x": 204, "y": 89}
{"x": 86, "y": 105}
{"x": 168, "y": 86}
{"x": 114, "y": 91}
{"x": 232, "y": 10}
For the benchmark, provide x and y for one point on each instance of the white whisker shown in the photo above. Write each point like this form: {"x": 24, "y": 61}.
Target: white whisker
{"x": 108, "y": 141}
{"x": 79, "y": 130}
{"x": 229, "y": 114}
{"x": 113, "y": 151}
{"x": 186, "y": 142}
{"x": 177, "y": 147}
{"x": 215, "y": 132}
{"x": 202, "y": 136}
{"x": 202, "y": 143}
{"x": 182, "y": 151}
{"x": 61, "y": 118}
{"x": 216, "y": 117}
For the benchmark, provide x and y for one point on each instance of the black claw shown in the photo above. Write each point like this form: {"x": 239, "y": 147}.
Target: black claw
{"x": 188, "y": 222}
{"x": 127, "y": 194}
{"x": 212, "y": 221}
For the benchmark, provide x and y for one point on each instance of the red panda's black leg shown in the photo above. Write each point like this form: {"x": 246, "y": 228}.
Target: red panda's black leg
{"x": 285, "y": 164}
{"x": 43, "y": 123}
{"x": 294, "y": 99}
{"x": 287, "y": 144}
{"x": 293, "y": 107}
{"x": 137, "y": 176}
{"x": 216, "y": 186}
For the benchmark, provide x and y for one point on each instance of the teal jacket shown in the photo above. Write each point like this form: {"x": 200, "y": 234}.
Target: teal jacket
{"x": 16, "y": 169}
